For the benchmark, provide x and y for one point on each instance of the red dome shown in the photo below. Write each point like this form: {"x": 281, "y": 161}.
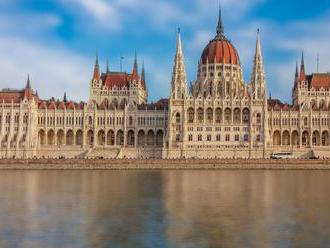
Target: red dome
{"x": 220, "y": 50}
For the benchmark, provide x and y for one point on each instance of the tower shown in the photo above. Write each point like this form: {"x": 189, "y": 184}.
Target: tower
{"x": 176, "y": 127}
{"x": 179, "y": 78}
{"x": 258, "y": 73}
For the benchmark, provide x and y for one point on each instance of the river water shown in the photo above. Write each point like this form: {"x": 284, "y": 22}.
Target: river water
{"x": 188, "y": 209}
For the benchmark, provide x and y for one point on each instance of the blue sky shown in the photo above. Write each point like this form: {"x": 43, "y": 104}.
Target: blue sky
{"x": 56, "y": 40}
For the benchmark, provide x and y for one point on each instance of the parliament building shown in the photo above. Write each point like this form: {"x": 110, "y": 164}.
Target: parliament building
{"x": 218, "y": 116}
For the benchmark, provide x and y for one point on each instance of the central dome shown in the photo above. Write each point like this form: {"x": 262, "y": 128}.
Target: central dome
{"x": 220, "y": 49}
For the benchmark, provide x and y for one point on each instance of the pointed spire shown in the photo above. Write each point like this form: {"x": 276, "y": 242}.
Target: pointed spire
{"x": 135, "y": 74}
{"x": 28, "y": 83}
{"x": 179, "y": 43}
{"x": 143, "y": 77}
{"x": 96, "y": 75}
{"x": 64, "y": 98}
{"x": 220, "y": 27}
{"x": 107, "y": 69}
{"x": 179, "y": 77}
{"x": 302, "y": 68}
{"x": 258, "y": 74}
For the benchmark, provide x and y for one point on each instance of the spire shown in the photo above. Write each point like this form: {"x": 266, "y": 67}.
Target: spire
{"x": 135, "y": 74}
{"x": 302, "y": 68}
{"x": 64, "y": 98}
{"x": 179, "y": 43}
{"x": 107, "y": 69}
{"x": 220, "y": 27}
{"x": 258, "y": 75}
{"x": 179, "y": 77}
{"x": 28, "y": 83}
{"x": 143, "y": 77}
{"x": 96, "y": 75}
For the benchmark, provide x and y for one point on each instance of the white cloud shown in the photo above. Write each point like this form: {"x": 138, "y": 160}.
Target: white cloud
{"x": 53, "y": 70}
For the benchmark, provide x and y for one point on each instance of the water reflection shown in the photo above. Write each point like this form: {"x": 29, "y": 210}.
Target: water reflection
{"x": 164, "y": 209}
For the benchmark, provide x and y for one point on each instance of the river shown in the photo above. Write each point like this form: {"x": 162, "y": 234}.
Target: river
{"x": 174, "y": 209}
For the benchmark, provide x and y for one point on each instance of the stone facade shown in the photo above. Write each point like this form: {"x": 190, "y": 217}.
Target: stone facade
{"x": 218, "y": 116}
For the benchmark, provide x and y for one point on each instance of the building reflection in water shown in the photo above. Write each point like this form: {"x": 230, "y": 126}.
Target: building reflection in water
{"x": 164, "y": 209}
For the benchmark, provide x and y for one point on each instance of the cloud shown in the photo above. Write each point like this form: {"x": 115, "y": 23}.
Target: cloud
{"x": 53, "y": 69}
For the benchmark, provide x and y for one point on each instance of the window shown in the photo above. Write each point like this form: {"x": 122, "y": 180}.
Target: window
{"x": 209, "y": 137}
{"x": 246, "y": 137}
{"x": 218, "y": 137}
{"x": 200, "y": 115}
{"x": 177, "y": 118}
{"x": 258, "y": 118}
{"x": 190, "y": 115}
{"x": 190, "y": 137}
{"x": 200, "y": 137}
{"x": 258, "y": 138}
{"x": 227, "y": 137}
{"x": 236, "y": 137}
{"x": 177, "y": 138}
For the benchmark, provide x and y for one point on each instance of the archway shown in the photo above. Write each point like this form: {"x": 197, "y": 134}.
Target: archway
{"x": 316, "y": 138}
{"x": 159, "y": 138}
{"x": 286, "y": 138}
{"x": 79, "y": 138}
{"x": 305, "y": 138}
{"x": 141, "y": 138}
{"x": 60, "y": 137}
{"x": 69, "y": 138}
{"x": 90, "y": 138}
{"x": 101, "y": 138}
{"x": 111, "y": 138}
{"x": 295, "y": 138}
{"x": 51, "y": 137}
{"x": 120, "y": 138}
{"x": 41, "y": 137}
{"x": 130, "y": 138}
{"x": 277, "y": 138}
{"x": 325, "y": 138}
{"x": 150, "y": 138}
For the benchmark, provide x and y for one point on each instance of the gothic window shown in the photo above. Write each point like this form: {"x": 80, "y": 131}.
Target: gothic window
{"x": 237, "y": 115}
{"x": 177, "y": 118}
{"x": 218, "y": 115}
{"x": 199, "y": 137}
{"x": 258, "y": 117}
{"x": 209, "y": 137}
{"x": 236, "y": 137}
{"x": 190, "y": 115}
{"x": 246, "y": 137}
{"x": 246, "y": 115}
{"x": 190, "y": 137}
{"x": 200, "y": 115}
{"x": 209, "y": 115}
{"x": 218, "y": 137}
{"x": 227, "y": 115}
{"x": 227, "y": 137}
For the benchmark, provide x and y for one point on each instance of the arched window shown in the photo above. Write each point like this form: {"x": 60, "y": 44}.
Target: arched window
{"x": 191, "y": 114}
{"x": 200, "y": 115}
{"x": 258, "y": 118}
{"x": 246, "y": 115}
{"x": 209, "y": 115}
{"x": 227, "y": 115}
{"x": 177, "y": 118}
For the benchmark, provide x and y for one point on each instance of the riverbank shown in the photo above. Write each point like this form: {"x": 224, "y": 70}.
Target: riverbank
{"x": 127, "y": 164}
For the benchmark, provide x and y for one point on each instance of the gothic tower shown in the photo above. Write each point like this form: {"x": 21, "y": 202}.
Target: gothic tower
{"x": 176, "y": 117}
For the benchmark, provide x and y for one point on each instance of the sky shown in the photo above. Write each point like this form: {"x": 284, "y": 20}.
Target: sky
{"x": 55, "y": 41}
